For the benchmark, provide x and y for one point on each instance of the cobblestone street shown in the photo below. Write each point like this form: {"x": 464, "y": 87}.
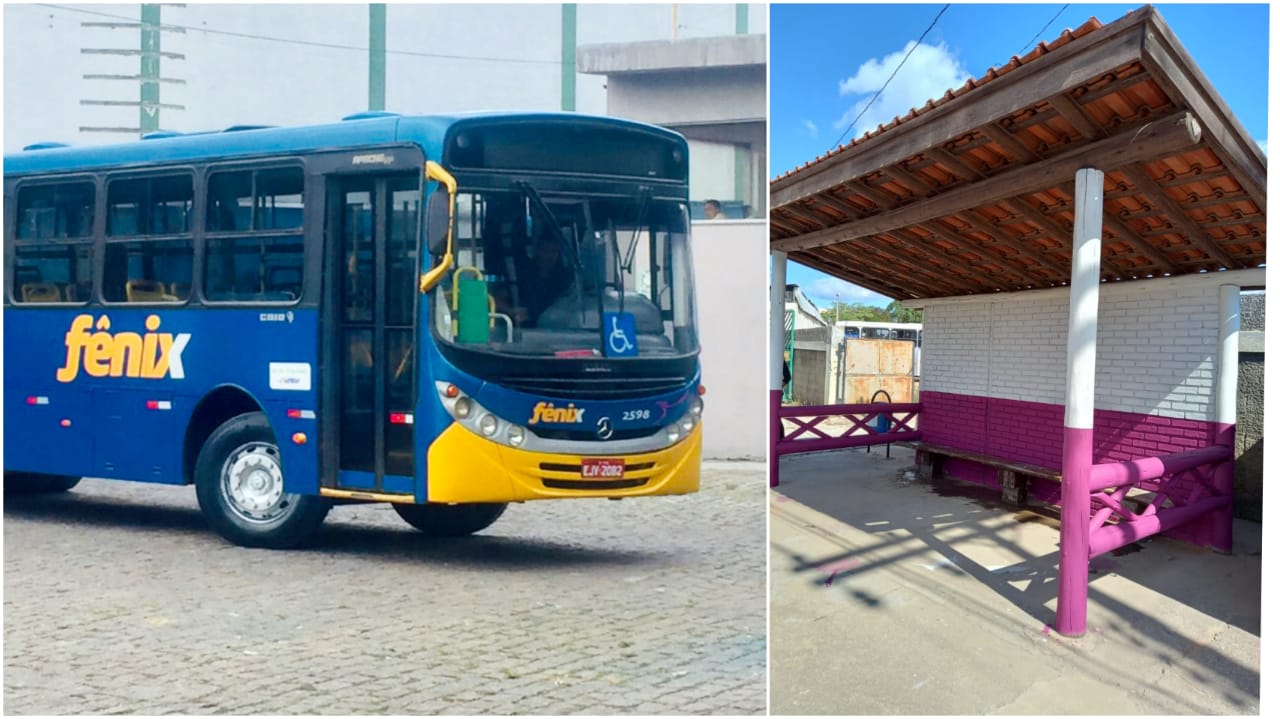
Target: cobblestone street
{"x": 119, "y": 599}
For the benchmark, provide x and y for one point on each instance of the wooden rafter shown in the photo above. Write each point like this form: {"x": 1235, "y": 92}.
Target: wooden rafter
{"x": 1183, "y": 224}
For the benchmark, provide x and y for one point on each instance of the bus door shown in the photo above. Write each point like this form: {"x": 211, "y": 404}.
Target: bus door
{"x": 372, "y": 292}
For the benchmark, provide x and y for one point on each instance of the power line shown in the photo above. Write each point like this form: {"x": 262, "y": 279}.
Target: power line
{"x": 309, "y": 43}
{"x": 895, "y": 72}
{"x": 1046, "y": 27}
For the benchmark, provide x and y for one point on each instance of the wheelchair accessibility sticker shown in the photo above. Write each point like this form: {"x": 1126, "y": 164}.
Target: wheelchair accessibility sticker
{"x": 620, "y": 334}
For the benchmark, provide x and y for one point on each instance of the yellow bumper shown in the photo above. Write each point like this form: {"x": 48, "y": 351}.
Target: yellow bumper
{"x": 464, "y": 467}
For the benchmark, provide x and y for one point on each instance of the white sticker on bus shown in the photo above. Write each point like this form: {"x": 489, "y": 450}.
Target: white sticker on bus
{"x": 291, "y": 376}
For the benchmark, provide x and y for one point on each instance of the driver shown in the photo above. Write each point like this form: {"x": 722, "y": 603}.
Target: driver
{"x": 541, "y": 280}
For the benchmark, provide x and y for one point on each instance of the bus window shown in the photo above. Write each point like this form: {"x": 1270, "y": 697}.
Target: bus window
{"x": 147, "y": 271}
{"x": 53, "y": 272}
{"x": 278, "y": 199}
{"x": 552, "y": 265}
{"x": 253, "y": 269}
{"x": 47, "y": 212}
{"x": 274, "y": 195}
{"x": 264, "y": 267}
{"x": 149, "y": 206}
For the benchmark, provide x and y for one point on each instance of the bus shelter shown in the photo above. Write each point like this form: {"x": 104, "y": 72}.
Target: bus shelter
{"x": 1077, "y": 225}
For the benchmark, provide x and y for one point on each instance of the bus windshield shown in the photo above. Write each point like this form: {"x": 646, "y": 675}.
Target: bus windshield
{"x": 549, "y": 266}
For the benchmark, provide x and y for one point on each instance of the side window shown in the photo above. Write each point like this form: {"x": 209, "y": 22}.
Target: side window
{"x": 149, "y": 252}
{"x": 254, "y": 245}
{"x": 53, "y": 248}
{"x": 152, "y": 206}
{"x": 55, "y": 212}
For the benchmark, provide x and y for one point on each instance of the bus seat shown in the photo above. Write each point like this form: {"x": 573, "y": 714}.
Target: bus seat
{"x": 180, "y": 289}
{"x": 41, "y": 292}
{"x": 146, "y": 291}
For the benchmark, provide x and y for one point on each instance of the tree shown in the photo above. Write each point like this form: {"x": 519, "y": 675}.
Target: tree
{"x": 858, "y": 312}
{"x": 901, "y": 313}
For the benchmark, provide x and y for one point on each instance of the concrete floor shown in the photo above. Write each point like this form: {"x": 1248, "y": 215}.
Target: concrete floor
{"x": 892, "y": 596}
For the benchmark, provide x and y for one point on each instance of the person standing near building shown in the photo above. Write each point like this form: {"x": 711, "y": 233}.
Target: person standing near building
{"x": 712, "y": 210}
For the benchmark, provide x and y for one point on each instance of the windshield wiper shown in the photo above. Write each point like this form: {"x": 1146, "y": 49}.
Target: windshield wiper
{"x": 550, "y": 219}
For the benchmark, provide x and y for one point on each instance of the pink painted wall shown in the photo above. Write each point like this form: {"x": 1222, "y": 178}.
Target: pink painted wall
{"x": 1032, "y": 432}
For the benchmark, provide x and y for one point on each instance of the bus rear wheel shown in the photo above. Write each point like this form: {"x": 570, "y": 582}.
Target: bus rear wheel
{"x": 240, "y": 487}
{"x": 17, "y": 483}
{"x": 450, "y": 520}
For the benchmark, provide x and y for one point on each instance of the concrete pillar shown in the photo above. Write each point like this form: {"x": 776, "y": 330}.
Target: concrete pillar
{"x": 1077, "y": 445}
{"x": 1226, "y": 388}
{"x": 777, "y": 297}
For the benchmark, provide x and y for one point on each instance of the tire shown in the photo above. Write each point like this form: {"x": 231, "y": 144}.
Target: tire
{"x": 240, "y": 488}
{"x": 20, "y": 483}
{"x": 450, "y": 520}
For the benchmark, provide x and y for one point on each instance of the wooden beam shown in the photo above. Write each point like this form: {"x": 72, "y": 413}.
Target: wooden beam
{"x": 1010, "y": 144}
{"x": 902, "y": 267}
{"x": 1173, "y": 70}
{"x": 877, "y": 195}
{"x": 1113, "y": 46}
{"x": 839, "y": 203}
{"x": 1183, "y": 224}
{"x": 1076, "y": 116}
{"x": 1124, "y": 233}
{"x": 912, "y": 183}
{"x": 930, "y": 249}
{"x": 1057, "y": 232}
{"x": 965, "y": 243}
{"x": 812, "y": 215}
{"x": 953, "y": 164}
{"x": 776, "y": 219}
{"x": 887, "y": 264}
{"x": 1162, "y": 137}
{"x": 1054, "y": 264}
{"x": 838, "y": 265}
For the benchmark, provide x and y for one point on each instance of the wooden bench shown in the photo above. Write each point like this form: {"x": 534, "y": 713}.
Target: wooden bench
{"x": 1013, "y": 475}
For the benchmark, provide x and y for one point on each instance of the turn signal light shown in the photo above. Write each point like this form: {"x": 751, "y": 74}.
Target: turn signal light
{"x": 451, "y": 391}
{"x": 299, "y": 438}
{"x": 702, "y": 389}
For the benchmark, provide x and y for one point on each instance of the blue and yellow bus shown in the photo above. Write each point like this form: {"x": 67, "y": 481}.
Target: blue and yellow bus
{"x": 449, "y": 314}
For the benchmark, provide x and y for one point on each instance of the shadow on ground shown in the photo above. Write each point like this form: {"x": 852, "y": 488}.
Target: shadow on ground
{"x": 857, "y": 525}
{"x": 336, "y": 537}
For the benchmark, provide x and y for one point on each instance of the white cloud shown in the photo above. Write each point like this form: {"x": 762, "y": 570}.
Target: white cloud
{"x": 823, "y": 292}
{"x": 928, "y": 74}
{"x": 811, "y": 127}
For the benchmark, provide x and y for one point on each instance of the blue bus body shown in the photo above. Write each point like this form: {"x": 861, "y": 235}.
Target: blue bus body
{"x": 133, "y": 390}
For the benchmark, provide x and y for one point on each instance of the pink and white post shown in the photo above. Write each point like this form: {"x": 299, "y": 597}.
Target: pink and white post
{"x": 777, "y": 311}
{"x": 1077, "y": 444}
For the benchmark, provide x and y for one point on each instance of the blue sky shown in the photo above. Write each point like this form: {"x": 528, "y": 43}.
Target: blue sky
{"x": 826, "y": 62}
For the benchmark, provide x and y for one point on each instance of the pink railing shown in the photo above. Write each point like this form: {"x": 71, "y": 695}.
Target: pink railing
{"x": 1114, "y": 524}
{"x": 841, "y": 426}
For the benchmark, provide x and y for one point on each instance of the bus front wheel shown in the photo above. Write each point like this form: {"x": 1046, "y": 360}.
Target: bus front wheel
{"x": 16, "y": 483}
{"x": 450, "y": 520}
{"x": 240, "y": 487}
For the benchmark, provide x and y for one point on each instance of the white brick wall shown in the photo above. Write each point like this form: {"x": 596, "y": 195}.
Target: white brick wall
{"x": 1157, "y": 346}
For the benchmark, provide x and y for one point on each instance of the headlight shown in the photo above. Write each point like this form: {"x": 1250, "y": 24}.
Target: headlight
{"x": 462, "y": 408}
{"x": 695, "y": 408}
{"x": 489, "y": 425}
{"x": 515, "y": 435}
{"x": 686, "y": 423}
{"x": 673, "y": 433}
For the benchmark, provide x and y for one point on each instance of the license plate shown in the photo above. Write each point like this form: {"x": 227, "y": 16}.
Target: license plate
{"x": 599, "y": 468}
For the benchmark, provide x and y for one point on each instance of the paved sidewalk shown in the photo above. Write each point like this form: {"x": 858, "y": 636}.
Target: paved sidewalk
{"x": 118, "y": 599}
{"x": 891, "y": 596}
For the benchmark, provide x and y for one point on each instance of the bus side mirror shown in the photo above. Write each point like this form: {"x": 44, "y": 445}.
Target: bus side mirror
{"x": 439, "y": 221}
{"x": 439, "y": 225}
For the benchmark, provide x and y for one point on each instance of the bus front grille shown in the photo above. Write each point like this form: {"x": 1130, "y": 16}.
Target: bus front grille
{"x": 589, "y": 485}
{"x": 595, "y": 388}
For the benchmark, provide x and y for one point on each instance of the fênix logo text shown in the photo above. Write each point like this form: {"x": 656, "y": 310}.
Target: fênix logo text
{"x": 548, "y": 413}
{"x": 154, "y": 355}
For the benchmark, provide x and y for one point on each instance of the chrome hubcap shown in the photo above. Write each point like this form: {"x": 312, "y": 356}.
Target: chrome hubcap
{"x": 252, "y": 483}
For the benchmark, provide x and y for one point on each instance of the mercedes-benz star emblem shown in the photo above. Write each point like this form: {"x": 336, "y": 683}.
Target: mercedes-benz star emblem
{"x": 604, "y": 428}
